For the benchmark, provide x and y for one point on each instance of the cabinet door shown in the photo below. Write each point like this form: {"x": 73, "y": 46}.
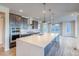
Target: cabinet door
{"x": 12, "y": 20}
{"x": 18, "y": 21}
{"x": 25, "y": 25}
{"x": 34, "y": 24}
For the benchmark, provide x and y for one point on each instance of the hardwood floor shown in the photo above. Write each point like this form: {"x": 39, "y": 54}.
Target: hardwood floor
{"x": 11, "y": 52}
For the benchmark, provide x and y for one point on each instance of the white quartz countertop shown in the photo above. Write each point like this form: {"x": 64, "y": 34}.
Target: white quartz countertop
{"x": 39, "y": 40}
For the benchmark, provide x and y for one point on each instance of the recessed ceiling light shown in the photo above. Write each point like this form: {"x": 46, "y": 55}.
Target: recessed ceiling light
{"x": 43, "y": 11}
{"x": 20, "y": 10}
{"x": 72, "y": 14}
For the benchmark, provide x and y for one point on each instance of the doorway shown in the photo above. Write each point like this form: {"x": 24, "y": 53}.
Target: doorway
{"x": 2, "y": 28}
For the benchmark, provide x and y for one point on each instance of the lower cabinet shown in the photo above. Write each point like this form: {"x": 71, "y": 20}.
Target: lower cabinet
{"x": 52, "y": 47}
{"x": 13, "y": 42}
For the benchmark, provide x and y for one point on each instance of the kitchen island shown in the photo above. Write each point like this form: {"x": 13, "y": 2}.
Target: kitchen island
{"x": 36, "y": 45}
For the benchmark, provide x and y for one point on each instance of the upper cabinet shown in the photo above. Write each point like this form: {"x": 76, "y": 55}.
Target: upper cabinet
{"x": 24, "y": 23}
{"x": 14, "y": 20}
{"x": 18, "y": 22}
{"x": 34, "y": 24}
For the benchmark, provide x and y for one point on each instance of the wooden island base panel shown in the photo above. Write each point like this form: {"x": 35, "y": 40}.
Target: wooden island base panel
{"x": 37, "y": 45}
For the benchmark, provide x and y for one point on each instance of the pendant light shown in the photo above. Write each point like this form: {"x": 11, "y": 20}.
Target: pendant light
{"x": 44, "y": 12}
{"x": 50, "y": 16}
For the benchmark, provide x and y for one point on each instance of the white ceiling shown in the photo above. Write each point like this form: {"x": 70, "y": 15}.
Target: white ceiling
{"x": 35, "y": 9}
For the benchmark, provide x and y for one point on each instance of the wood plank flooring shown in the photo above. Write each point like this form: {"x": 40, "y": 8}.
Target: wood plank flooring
{"x": 11, "y": 52}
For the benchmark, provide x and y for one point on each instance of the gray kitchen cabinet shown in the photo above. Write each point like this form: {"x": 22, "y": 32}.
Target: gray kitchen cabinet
{"x": 18, "y": 21}
{"x": 34, "y": 24}
{"x": 24, "y": 23}
{"x": 15, "y": 23}
{"x": 14, "y": 20}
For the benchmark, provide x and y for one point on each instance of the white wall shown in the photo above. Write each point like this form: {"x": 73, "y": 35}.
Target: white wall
{"x": 73, "y": 28}
{"x": 6, "y": 36}
{"x": 77, "y": 28}
{"x": 65, "y": 19}
{"x": 64, "y": 29}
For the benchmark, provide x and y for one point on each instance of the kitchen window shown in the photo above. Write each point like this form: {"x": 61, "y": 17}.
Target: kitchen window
{"x": 68, "y": 27}
{"x": 56, "y": 28}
